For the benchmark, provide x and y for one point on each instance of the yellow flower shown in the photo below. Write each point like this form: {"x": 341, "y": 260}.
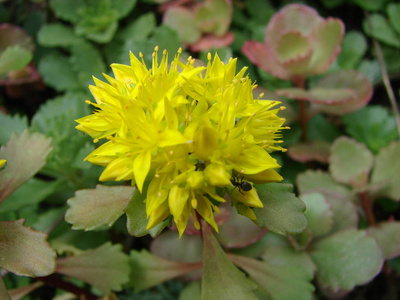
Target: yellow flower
{"x": 190, "y": 131}
{"x": 3, "y": 163}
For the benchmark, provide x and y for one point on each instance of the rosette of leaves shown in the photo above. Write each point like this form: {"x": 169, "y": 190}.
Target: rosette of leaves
{"x": 299, "y": 43}
{"x": 201, "y": 25}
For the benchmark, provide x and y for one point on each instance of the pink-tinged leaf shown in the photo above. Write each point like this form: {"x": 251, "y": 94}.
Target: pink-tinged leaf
{"x": 90, "y": 209}
{"x": 149, "y": 270}
{"x": 312, "y": 151}
{"x": 187, "y": 248}
{"x": 221, "y": 279}
{"x": 331, "y": 96}
{"x": 292, "y": 45}
{"x": 263, "y": 57}
{"x": 293, "y": 17}
{"x": 209, "y": 41}
{"x": 387, "y": 235}
{"x": 19, "y": 293}
{"x": 3, "y": 291}
{"x": 26, "y": 155}
{"x": 25, "y": 251}
{"x": 238, "y": 231}
{"x": 386, "y": 171}
{"x": 346, "y": 259}
{"x": 319, "y": 214}
{"x": 11, "y": 35}
{"x": 352, "y": 80}
{"x": 213, "y": 16}
{"x": 350, "y": 162}
{"x": 105, "y": 267}
{"x": 278, "y": 281}
{"x": 181, "y": 20}
{"x": 327, "y": 38}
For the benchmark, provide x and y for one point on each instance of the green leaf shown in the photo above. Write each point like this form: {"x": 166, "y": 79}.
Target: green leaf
{"x": 370, "y": 4}
{"x": 67, "y": 10}
{"x": 350, "y": 162}
{"x": 56, "y": 119}
{"x": 25, "y": 251}
{"x": 192, "y": 291}
{"x": 282, "y": 212}
{"x": 354, "y": 47}
{"x": 371, "y": 70}
{"x": 381, "y": 30}
{"x": 140, "y": 28}
{"x": 319, "y": 128}
{"x": 287, "y": 256}
{"x": 86, "y": 60}
{"x": 32, "y": 192}
{"x": 25, "y": 154}
{"x": 386, "y": 170}
{"x": 180, "y": 19}
{"x": 14, "y": 58}
{"x": 123, "y": 8}
{"x": 105, "y": 267}
{"x": 149, "y": 270}
{"x": 57, "y": 35}
{"x": 393, "y": 11}
{"x": 387, "y": 235}
{"x": 10, "y": 124}
{"x": 137, "y": 219}
{"x": 57, "y": 72}
{"x": 281, "y": 282}
{"x": 90, "y": 209}
{"x": 260, "y": 11}
{"x": 373, "y": 126}
{"x": 312, "y": 151}
{"x": 221, "y": 279}
{"x": 319, "y": 214}
{"x": 346, "y": 259}
{"x": 311, "y": 181}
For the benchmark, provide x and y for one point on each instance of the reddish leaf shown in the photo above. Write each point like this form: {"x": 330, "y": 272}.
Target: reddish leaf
{"x": 209, "y": 41}
{"x": 25, "y": 251}
{"x": 312, "y": 151}
{"x": 25, "y": 154}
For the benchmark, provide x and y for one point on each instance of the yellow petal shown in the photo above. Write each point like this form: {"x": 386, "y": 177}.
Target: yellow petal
{"x": 265, "y": 176}
{"x": 217, "y": 175}
{"x": 141, "y": 168}
{"x": 177, "y": 200}
{"x": 158, "y": 215}
{"x": 249, "y": 198}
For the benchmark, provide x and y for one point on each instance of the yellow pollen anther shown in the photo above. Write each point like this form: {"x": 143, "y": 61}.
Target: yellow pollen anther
{"x": 180, "y": 50}
{"x": 189, "y": 58}
{"x": 194, "y": 203}
{"x": 209, "y": 56}
{"x": 95, "y": 141}
{"x": 156, "y": 48}
{"x": 140, "y": 54}
{"x": 153, "y": 54}
{"x": 282, "y": 107}
{"x": 261, "y": 95}
{"x": 165, "y": 52}
{"x": 88, "y": 102}
{"x": 109, "y": 137}
{"x": 156, "y": 175}
{"x": 87, "y": 120}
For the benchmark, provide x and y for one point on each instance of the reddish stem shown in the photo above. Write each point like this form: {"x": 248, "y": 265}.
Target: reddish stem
{"x": 55, "y": 281}
{"x": 366, "y": 204}
{"x": 300, "y": 82}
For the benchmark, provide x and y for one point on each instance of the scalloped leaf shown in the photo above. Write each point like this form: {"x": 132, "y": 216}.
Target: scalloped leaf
{"x": 393, "y": 11}
{"x": 346, "y": 259}
{"x": 149, "y": 270}
{"x": 312, "y": 151}
{"x": 67, "y": 10}
{"x": 10, "y": 124}
{"x": 287, "y": 256}
{"x": 354, "y": 47}
{"x": 25, "y": 154}
{"x": 14, "y": 58}
{"x": 221, "y": 279}
{"x": 387, "y": 235}
{"x": 58, "y": 73}
{"x": 350, "y": 162}
{"x": 92, "y": 208}
{"x": 313, "y": 180}
{"x": 105, "y": 267}
{"x": 238, "y": 231}
{"x": 57, "y": 35}
{"x": 25, "y": 251}
{"x": 213, "y": 16}
{"x": 124, "y": 8}
{"x": 373, "y": 126}
{"x": 319, "y": 214}
{"x": 180, "y": 19}
{"x": 283, "y": 212}
{"x": 279, "y": 281}
{"x": 137, "y": 219}
{"x": 386, "y": 170}
{"x": 381, "y": 30}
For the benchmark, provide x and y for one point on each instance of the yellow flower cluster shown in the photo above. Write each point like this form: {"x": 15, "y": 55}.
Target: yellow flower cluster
{"x": 191, "y": 133}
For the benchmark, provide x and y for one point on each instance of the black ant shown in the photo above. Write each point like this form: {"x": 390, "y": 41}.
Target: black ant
{"x": 241, "y": 184}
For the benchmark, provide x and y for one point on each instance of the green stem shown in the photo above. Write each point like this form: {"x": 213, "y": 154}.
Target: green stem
{"x": 385, "y": 76}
